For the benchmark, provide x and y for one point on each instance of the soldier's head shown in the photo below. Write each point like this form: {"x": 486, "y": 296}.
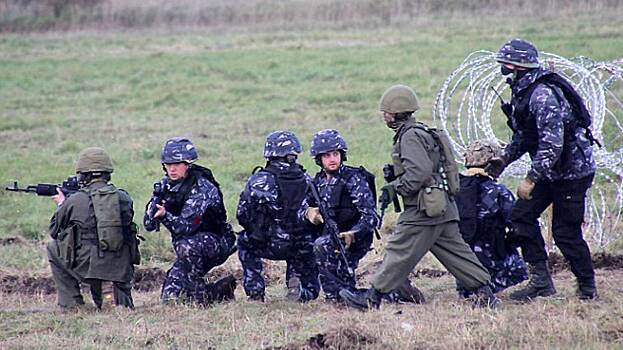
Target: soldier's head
{"x": 329, "y": 149}
{"x": 517, "y": 57}
{"x": 480, "y": 152}
{"x": 398, "y": 104}
{"x": 282, "y": 145}
{"x": 178, "y": 153}
{"x": 93, "y": 164}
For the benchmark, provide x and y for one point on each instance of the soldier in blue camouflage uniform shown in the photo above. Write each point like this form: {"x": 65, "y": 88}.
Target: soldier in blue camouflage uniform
{"x": 544, "y": 116}
{"x": 484, "y": 210}
{"x": 349, "y": 200}
{"x": 268, "y": 213}
{"x": 190, "y": 206}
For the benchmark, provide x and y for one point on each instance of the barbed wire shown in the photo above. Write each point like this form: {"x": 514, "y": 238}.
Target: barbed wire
{"x": 466, "y": 108}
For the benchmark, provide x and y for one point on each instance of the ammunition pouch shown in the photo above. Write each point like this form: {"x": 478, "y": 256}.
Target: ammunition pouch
{"x": 67, "y": 242}
{"x": 433, "y": 201}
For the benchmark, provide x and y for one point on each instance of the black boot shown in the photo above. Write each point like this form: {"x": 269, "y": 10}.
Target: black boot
{"x": 405, "y": 293}
{"x": 223, "y": 289}
{"x": 540, "y": 284}
{"x": 587, "y": 290}
{"x": 484, "y": 297}
{"x": 370, "y": 298}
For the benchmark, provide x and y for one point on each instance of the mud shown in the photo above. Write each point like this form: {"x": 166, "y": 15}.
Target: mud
{"x": 11, "y": 240}
{"x": 600, "y": 261}
{"x": 340, "y": 338}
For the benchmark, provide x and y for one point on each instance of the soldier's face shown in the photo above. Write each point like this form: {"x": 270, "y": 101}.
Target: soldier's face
{"x": 331, "y": 161}
{"x": 390, "y": 120}
{"x": 176, "y": 171}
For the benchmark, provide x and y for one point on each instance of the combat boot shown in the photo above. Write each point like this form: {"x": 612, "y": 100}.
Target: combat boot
{"x": 586, "y": 290}
{"x": 540, "y": 284}
{"x": 484, "y": 297}
{"x": 108, "y": 296}
{"x": 409, "y": 293}
{"x": 223, "y": 289}
{"x": 294, "y": 289}
{"x": 368, "y": 299}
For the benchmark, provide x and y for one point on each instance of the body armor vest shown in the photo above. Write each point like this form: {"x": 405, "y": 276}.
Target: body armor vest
{"x": 341, "y": 207}
{"x": 291, "y": 189}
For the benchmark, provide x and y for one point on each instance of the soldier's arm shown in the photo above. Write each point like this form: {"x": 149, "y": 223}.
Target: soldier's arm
{"x": 150, "y": 223}
{"x": 545, "y": 107}
{"x": 514, "y": 150}
{"x": 59, "y": 220}
{"x": 417, "y": 165}
{"x": 363, "y": 199}
{"x": 260, "y": 191}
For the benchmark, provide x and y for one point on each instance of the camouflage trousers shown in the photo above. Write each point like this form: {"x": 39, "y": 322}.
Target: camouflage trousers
{"x": 332, "y": 269}
{"x": 300, "y": 263}
{"x": 195, "y": 256}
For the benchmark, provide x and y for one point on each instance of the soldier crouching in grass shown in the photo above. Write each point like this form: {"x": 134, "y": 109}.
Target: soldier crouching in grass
{"x": 94, "y": 238}
{"x": 190, "y": 206}
{"x": 430, "y": 219}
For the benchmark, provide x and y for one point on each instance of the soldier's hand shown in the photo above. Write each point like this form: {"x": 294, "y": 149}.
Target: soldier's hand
{"x": 524, "y": 190}
{"x": 312, "y": 214}
{"x": 495, "y": 167}
{"x": 391, "y": 192}
{"x": 348, "y": 237}
{"x": 388, "y": 173}
{"x": 160, "y": 212}
{"x": 59, "y": 198}
{"x": 507, "y": 109}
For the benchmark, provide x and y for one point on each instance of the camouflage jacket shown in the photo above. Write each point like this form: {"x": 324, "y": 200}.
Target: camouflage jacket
{"x": 360, "y": 196}
{"x": 203, "y": 195}
{"x": 494, "y": 198}
{"x": 259, "y": 207}
{"x": 550, "y": 114}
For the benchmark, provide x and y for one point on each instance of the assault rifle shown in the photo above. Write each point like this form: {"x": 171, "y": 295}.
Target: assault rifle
{"x": 384, "y": 199}
{"x": 330, "y": 228}
{"x": 68, "y": 187}
{"x": 157, "y": 198}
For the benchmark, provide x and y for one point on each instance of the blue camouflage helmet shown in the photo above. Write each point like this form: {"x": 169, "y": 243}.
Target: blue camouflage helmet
{"x": 327, "y": 140}
{"x": 177, "y": 150}
{"x": 281, "y": 143}
{"x": 519, "y": 52}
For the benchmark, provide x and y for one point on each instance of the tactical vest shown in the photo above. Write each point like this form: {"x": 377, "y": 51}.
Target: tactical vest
{"x": 214, "y": 220}
{"x": 490, "y": 229}
{"x": 341, "y": 207}
{"x": 526, "y": 122}
{"x": 447, "y": 168}
{"x": 291, "y": 190}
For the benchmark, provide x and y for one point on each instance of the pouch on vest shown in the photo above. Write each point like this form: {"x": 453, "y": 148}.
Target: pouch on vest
{"x": 433, "y": 201}
{"x": 66, "y": 242}
{"x": 108, "y": 216}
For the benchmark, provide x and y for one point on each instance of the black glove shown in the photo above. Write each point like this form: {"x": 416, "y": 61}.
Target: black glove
{"x": 388, "y": 173}
{"x": 495, "y": 166}
{"x": 507, "y": 109}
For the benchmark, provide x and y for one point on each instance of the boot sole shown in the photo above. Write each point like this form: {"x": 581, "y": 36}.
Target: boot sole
{"x": 541, "y": 294}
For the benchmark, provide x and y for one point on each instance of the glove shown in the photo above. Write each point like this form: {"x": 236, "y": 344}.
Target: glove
{"x": 312, "y": 214}
{"x": 507, "y": 109}
{"x": 388, "y": 173}
{"x": 348, "y": 237}
{"x": 495, "y": 166}
{"x": 525, "y": 188}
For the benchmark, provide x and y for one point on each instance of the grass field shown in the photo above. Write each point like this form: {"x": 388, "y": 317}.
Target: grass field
{"x": 130, "y": 91}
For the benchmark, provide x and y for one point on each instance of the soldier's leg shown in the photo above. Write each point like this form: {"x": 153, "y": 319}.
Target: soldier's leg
{"x": 186, "y": 271}
{"x": 569, "y": 206}
{"x": 457, "y": 257}
{"x": 123, "y": 294}
{"x": 67, "y": 285}
{"x": 404, "y": 249}
{"x": 253, "y": 279}
{"x": 331, "y": 269}
{"x": 303, "y": 266}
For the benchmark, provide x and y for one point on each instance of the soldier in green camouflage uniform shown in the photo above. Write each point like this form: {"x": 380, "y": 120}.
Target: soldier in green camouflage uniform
{"x": 93, "y": 237}
{"x": 416, "y": 156}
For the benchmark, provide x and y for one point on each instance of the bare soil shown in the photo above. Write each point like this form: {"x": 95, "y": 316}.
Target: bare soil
{"x": 337, "y": 338}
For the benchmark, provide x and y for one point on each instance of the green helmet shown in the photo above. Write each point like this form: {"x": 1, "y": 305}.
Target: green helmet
{"x": 94, "y": 159}
{"x": 398, "y": 99}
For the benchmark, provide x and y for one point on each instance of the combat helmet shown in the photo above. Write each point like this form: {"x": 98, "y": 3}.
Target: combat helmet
{"x": 281, "y": 143}
{"x": 479, "y": 152}
{"x": 518, "y": 52}
{"x": 177, "y": 150}
{"x": 327, "y": 140}
{"x": 399, "y": 99}
{"x": 92, "y": 160}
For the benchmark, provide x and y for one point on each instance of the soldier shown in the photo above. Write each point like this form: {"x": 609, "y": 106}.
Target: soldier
{"x": 94, "y": 238}
{"x": 350, "y": 202}
{"x": 484, "y": 210}
{"x": 430, "y": 218}
{"x": 190, "y": 206}
{"x": 268, "y": 213}
{"x": 550, "y": 122}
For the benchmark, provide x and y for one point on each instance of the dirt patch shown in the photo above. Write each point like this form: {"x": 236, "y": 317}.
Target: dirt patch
{"x": 149, "y": 279}
{"x": 26, "y": 284}
{"x": 340, "y": 338}
{"x": 11, "y": 240}
{"x": 601, "y": 260}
